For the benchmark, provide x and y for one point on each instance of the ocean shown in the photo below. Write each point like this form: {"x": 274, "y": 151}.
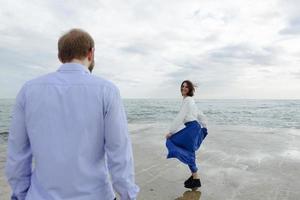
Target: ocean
{"x": 254, "y": 113}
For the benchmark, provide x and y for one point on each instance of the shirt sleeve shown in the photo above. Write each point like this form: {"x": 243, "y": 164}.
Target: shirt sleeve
{"x": 118, "y": 148}
{"x": 19, "y": 157}
{"x": 178, "y": 122}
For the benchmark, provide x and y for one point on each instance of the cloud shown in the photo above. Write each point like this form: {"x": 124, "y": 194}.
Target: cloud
{"x": 231, "y": 60}
{"x": 297, "y": 75}
{"x": 243, "y": 54}
{"x": 293, "y": 27}
{"x": 148, "y": 47}
{"x": 291, "y": 17}
{"x": 140, "y": 48}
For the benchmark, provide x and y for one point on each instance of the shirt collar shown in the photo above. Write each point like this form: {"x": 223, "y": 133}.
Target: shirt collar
{"x": 73, "y": 67}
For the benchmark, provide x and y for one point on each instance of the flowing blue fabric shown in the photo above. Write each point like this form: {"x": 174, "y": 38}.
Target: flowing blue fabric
{"x": 183, "y": 144}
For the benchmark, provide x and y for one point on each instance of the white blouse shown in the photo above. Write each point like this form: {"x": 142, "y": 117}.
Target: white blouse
{"x": 188, "y": 112}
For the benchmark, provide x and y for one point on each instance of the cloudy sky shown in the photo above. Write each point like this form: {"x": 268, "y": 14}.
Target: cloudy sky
{"x": 229, "y": 48}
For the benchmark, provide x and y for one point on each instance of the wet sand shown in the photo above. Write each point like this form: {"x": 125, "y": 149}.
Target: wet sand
{"x": 236, "y": 163}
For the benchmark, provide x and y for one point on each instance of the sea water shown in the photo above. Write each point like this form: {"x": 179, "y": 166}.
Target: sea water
{"x": 257, "y": 113}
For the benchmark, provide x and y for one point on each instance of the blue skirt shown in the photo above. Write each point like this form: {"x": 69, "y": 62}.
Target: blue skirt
{"x": 183, "y": 144}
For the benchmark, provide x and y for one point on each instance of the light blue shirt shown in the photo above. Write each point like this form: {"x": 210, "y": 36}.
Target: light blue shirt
{"x": 73, "y": 126}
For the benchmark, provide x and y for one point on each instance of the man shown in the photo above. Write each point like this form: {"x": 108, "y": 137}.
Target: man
{"x": 73, "y": 125}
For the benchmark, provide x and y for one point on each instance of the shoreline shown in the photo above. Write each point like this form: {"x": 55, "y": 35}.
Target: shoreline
{"x": 239, "y": 162}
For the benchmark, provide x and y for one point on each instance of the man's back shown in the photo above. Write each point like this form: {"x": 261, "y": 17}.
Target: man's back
{"x": 70, "y": 121}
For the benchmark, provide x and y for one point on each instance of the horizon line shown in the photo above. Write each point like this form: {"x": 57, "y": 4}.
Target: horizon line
{"x": 175, "y": 98}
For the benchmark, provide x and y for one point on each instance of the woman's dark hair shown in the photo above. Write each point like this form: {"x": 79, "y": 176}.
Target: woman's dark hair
{"x": 191, "y": 87}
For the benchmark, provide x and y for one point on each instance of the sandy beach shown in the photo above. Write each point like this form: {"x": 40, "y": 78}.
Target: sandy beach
{"x": 236, "y": 163}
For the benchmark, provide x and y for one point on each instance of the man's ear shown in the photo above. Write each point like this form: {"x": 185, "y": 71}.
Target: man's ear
{"x": 90, "y": 54}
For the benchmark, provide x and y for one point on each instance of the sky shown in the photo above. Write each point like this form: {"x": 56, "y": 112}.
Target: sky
{"x": 230, "y": 49}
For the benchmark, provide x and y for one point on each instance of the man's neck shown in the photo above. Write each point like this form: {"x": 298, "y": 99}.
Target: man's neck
{"x": 77, "y": 61}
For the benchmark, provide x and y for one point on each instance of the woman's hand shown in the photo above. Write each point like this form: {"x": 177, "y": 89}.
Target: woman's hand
{"x": 168, "y": 135}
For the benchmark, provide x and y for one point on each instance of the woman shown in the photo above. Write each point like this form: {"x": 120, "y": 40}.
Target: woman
{"x": 186, "y": 134}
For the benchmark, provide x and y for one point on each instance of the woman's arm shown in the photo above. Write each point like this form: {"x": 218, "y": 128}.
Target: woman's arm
{"x": 179, "y": 120}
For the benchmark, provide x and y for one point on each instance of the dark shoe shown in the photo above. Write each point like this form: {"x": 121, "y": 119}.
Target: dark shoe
{"x": 195, "y": 183}
{"x": 188, "y": 181}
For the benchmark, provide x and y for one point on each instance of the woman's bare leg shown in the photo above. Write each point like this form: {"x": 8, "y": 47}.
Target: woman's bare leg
{"x": 195, "y": 175}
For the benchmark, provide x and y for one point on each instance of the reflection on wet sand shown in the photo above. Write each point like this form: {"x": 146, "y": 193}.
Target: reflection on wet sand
{"x": 190, "y": 195}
